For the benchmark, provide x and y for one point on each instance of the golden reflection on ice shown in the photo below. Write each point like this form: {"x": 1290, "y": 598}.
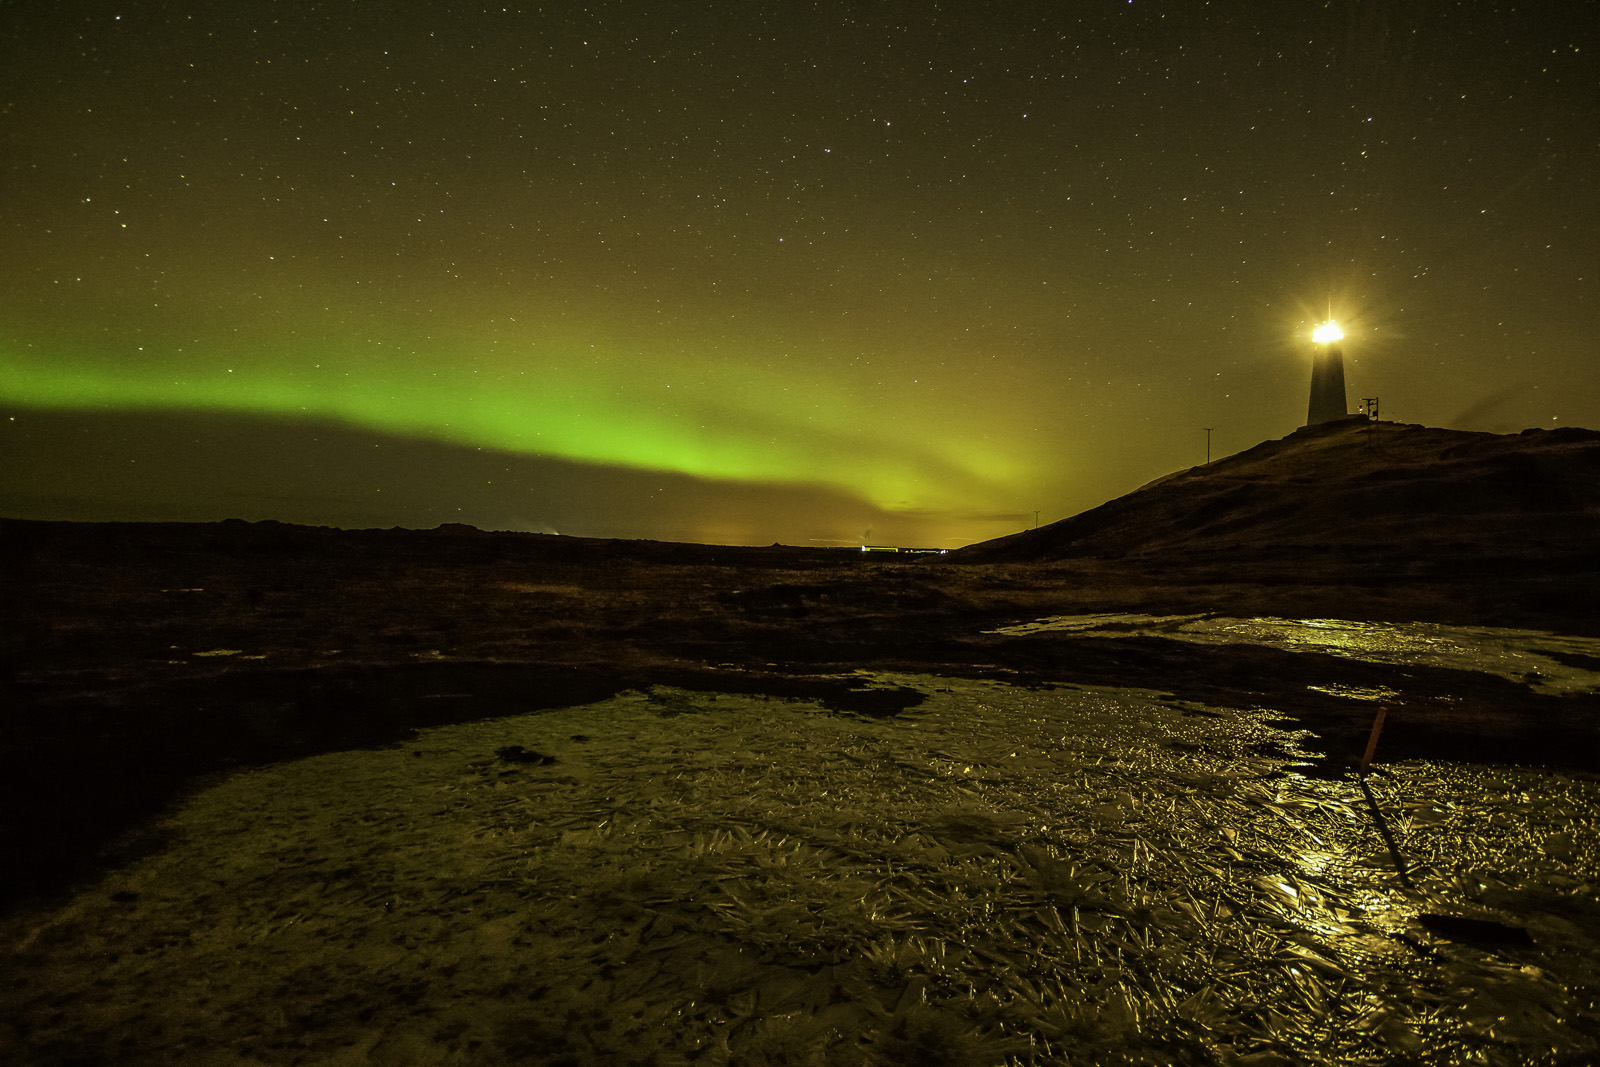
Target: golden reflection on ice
{"x": 1356, "y": 692}
{"x": 1000, "y": 875}
{"x": 1527, "y": 656}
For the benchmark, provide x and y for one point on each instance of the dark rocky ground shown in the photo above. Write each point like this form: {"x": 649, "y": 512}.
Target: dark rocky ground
{"x": 140, "y": 659}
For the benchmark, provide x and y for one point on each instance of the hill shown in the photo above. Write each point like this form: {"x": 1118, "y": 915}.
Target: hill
{"x": 1364, "y": 492}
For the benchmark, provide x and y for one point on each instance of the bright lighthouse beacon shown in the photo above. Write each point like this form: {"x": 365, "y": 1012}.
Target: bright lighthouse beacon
{"x": 1327, "y": 376}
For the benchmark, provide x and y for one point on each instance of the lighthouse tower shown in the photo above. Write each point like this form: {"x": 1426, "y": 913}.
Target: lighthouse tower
{"x": 1327, "y": 376}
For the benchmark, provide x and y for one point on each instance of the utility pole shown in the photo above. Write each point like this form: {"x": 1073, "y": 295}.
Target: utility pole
{"x": 1035, "y": 520}
{"x": 1208, "y": 445}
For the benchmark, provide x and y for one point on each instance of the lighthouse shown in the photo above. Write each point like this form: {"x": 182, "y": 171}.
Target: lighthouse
{"x": 1327, "y": 376}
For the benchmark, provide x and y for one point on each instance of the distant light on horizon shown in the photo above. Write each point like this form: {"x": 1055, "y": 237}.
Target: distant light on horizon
{"x": 1327, "y": 332}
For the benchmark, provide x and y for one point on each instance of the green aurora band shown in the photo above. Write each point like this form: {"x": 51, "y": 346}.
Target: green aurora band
{"x": 785, "y": 431}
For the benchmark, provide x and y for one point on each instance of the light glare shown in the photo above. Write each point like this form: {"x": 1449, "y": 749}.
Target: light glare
{"x": 1328, "y": 331}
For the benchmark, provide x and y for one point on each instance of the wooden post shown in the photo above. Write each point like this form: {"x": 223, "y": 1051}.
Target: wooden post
{"x": 1372, "y": 742}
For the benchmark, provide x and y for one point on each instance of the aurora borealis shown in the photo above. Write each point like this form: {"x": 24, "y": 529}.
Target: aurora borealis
{"x": 902, "y": 272}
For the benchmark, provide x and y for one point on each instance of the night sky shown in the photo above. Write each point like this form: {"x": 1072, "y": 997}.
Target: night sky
{"x": 902, "y": 273}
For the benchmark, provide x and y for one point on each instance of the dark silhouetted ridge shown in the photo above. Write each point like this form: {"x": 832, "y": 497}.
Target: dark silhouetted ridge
{"x": 1368, "y": 489}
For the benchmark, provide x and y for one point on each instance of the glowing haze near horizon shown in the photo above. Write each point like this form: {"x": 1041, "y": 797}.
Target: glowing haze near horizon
{"x": 898, "y": 273}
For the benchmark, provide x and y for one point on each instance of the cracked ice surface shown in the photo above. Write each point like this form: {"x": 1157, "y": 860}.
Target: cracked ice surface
{"x": 999, "y": 875}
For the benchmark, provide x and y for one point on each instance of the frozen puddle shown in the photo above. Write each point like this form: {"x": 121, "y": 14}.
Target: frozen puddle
{"x": 1000, "y": 875}
{"x": 1547, "y": 662}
